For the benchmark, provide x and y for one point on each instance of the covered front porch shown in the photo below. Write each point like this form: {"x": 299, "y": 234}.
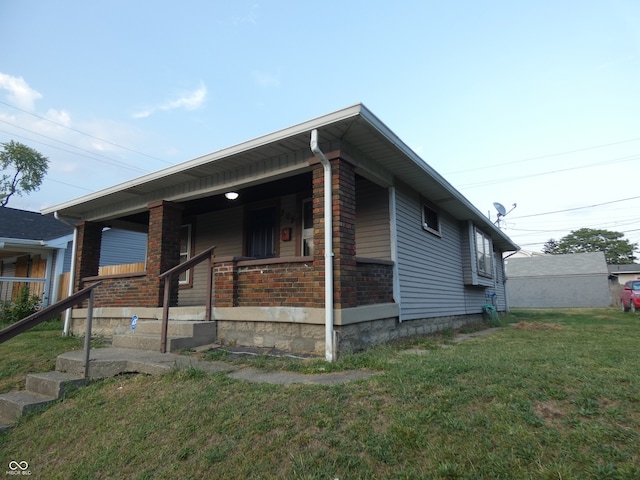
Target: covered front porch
{"x": 268, "y": 270}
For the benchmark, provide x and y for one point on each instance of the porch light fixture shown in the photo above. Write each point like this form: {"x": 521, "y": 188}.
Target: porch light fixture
{"x": 231, "y": 195}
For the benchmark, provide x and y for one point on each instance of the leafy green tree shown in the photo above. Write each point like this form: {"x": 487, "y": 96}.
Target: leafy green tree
{"x": 26, "y": 166}
{"x": 550, "y": 246}
{"x": 617, "y": 251}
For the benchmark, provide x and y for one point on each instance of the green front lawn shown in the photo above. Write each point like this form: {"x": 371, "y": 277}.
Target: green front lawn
{"x": 555, "y": 397}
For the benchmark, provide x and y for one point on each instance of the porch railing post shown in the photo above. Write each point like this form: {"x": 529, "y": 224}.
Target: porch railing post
{"x": 165, "y": 314}
{"x": 177, "y": 270}
{"x": 87, "y": 336}
{"x": 207, "y": 312}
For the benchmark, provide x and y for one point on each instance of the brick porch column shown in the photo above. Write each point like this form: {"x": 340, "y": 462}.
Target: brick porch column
{"x": 163, "y": 248}
{"x": 344, "y": 233}
{"x": 225, "y": 283}
{"x": 88, "y": 246}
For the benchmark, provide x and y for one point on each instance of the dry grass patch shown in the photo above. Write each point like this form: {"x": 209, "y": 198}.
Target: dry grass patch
{"x": 551, "y": 412}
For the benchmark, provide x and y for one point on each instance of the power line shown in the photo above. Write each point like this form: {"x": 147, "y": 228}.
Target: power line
{"x": 545, "y": 156}
{"x": 85, "y": 133}
{"x": 115, "y": 163}
{"x": 528, "y": 176}
{"x": 576, "y": 208}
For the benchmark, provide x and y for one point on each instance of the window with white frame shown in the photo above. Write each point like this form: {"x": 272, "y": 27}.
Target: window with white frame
{"x": 431, "y": 219}
{"x": 185, "y": 252}
{"x": 483, "y": 254}
{"x": 307, "y": 227}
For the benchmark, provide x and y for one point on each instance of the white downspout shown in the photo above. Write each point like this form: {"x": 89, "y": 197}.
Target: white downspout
{"x": 328, "y": 249}
{"x": 72, "y": 272}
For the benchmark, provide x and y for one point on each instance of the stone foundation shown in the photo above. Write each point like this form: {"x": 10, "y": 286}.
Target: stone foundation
{"x": 111, "y": 320}
{"x": 359, "y": 336}
{"x": 288, "y": 329}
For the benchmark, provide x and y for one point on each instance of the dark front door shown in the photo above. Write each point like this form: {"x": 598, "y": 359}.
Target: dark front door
{"x": 262, "y": 231}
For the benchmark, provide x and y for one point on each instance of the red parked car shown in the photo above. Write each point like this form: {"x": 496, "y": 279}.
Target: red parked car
{"x": 630, "y": 297}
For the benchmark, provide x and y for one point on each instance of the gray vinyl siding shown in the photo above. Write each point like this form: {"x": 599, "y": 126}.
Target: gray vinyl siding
{"x": 222, "y": 229}
{"x": 429, "y": 266}
{"x": 372, "y": 221}
{"x": 118, "y": 247}
{"x": 66, "y": 267}
{"x": 500, "y": 287}
{"x": 121, "y": 247}
{"x": 434, "y": 271}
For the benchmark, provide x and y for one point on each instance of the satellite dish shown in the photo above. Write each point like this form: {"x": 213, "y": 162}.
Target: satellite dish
{"x": 501, "y": 212}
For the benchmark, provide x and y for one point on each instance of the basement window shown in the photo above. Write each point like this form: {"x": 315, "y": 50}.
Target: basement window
{"x": 431, "y": 220}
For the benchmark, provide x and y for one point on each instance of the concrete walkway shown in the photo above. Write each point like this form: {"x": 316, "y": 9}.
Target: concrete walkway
{"x": 111, "y": 361}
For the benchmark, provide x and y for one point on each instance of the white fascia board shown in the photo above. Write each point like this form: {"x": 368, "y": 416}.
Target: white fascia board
{"x": 309, "y": 125}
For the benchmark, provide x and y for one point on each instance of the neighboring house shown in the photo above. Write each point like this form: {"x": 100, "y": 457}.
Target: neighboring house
{"x": 118, "y": 247}
{"x": 32, "y": 250}
{"x": 36, "y": 249}
{"x": 558, "y": 281}
{"x": 621, "y": 274}
{"x": 525, "y": 254}
{"x": 410, "y": 254}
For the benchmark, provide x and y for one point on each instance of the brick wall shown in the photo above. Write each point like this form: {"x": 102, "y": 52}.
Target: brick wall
{"x": 265, "y": 283}
{"x": 288, "y": 284}
{"x": 163, "y": 248}
{"x": 139, "y": 289}
{"x": 225, "y": 288}
{"x": 88, "y": 251}
{"x": 123, "y": 291}
{"x": 344, "y": 233}
{"x": 374, "y": 280}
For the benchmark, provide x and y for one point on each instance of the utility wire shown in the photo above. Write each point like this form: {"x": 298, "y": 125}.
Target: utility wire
{"x": 115, "y": 163}
{"x": 528, "y": 176}
{"x": 544, "y": 156}
{"x": 576, "y": 208}
{"x": 85, "y": 133}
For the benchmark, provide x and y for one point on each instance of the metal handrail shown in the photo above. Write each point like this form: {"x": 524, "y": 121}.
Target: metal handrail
{"x": 51, "y": 311}
{"x": 45, "y": 314}
{"x": 177, "y": 270}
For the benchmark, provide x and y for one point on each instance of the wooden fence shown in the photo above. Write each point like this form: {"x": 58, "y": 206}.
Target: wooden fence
{"x": 63, "y": 285}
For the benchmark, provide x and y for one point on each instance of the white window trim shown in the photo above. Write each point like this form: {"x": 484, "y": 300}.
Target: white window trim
{"x": 425, "y": 226}
{"x": 186, "y": 255}
{"x": 306, "y": 233}
{"x": 486, "y": 251}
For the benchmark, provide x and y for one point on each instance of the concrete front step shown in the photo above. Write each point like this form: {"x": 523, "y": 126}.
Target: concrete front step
{"x": 53, "y": 384}
{"x": 15, "y": 404}
{"x": 181, "y": 335}
{"x": 6, "y": 423}
{"x": 41, "y": 389}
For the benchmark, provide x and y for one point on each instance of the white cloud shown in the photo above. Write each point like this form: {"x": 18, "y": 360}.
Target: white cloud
{"x": 250, "y": 18}
{"x": 20, "y": 93}
{"x": 191, "y": 100}
{"x": 267, "y": 80}
{"x": 59, "y": 116}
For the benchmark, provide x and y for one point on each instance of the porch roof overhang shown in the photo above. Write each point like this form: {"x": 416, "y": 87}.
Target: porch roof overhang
{"x": 12, "y": 247}
{"x": 354, "y": 126}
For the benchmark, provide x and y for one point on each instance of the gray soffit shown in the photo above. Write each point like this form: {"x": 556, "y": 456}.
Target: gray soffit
{"x": 354, "y": 126}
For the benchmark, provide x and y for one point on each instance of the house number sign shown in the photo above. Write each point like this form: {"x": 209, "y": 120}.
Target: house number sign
{"x": 134, "y": 322}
